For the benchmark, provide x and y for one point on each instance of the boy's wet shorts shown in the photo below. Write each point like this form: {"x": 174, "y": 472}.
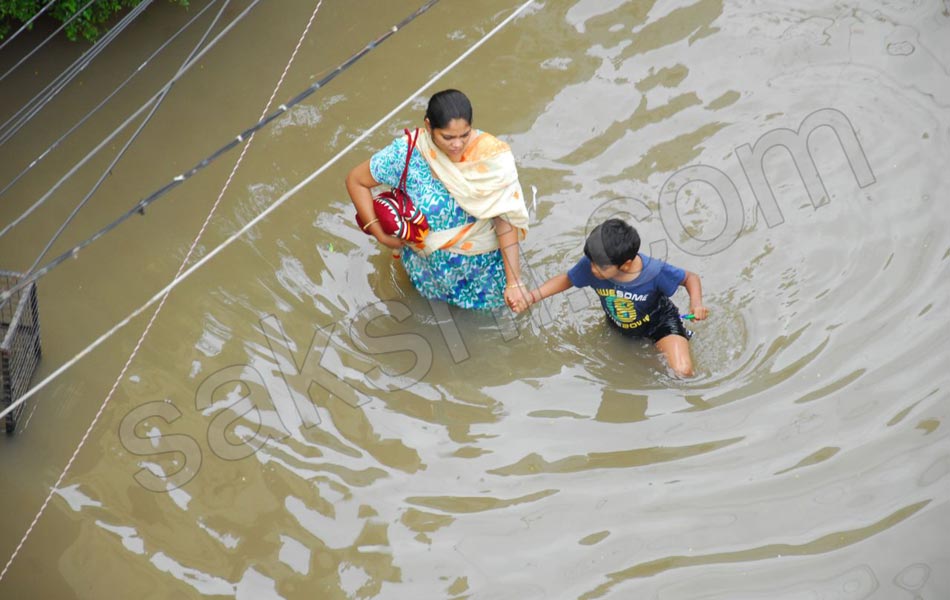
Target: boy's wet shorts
{"x": 664, "y": 321}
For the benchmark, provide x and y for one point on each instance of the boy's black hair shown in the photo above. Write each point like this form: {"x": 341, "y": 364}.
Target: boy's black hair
{"x": 613, "y": 242}
{"x": 447, "y": 105}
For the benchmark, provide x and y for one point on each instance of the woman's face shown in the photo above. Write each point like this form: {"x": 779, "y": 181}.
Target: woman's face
{"x": 451, "y": 139}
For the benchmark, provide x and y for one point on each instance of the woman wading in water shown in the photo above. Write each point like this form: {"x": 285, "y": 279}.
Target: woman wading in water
{"x": 466, "y": 184}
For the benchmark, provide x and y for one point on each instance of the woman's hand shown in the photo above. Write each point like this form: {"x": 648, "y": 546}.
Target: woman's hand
{"x": 516, "y": 297}
{"x": 390, "y": 241}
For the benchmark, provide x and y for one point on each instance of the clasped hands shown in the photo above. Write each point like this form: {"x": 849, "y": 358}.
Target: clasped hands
{"x": 517, "y": 297}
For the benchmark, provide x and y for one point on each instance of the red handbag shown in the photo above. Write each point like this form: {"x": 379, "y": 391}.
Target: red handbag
{"x": 394, "y": 208}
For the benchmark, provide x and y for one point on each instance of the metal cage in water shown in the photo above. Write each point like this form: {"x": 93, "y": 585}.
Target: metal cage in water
{"x": 20, "y": 350}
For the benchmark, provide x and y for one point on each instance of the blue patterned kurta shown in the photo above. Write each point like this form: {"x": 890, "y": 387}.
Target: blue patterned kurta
{"x": 465, "y": 281}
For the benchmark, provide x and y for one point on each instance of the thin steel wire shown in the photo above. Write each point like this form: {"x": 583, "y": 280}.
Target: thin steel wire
{"x": 128, "y": 143}
{"x": 36, "y": 161}
{"x": 140, "y": 207}
{"x": 27, "y": 24}
{"x": 158, "y": 309}
{"x": 44, "y": 42}
{"x": 39, "y": 102}
{"x": 261, "y": 216}
{"x": 105, "y": 142}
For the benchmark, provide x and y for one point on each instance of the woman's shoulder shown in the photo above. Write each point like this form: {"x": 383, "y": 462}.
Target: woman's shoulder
{"x": 387, "y": 163}
{"x": 401, "y": 139}
{"x": 394, "y": 144}
{"x": 395, "y": 150}
{"x": 400, "y": 142}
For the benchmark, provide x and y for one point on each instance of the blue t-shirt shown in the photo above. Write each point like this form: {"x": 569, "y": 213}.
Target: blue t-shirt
{"x": 631, "y": 305}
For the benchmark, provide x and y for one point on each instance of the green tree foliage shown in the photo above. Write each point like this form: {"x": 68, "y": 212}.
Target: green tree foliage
{"x": 89, "y": 25}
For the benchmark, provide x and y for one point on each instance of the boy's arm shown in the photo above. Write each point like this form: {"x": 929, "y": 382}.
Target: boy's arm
{"x": 555, "y": 285}
{"x": 694, "y": 288}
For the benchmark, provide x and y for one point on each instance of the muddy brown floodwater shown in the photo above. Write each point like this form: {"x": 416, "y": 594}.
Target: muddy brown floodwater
{"x": 300, "y": 423}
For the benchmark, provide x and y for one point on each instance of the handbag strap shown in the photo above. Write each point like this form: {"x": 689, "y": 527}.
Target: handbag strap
{"x": 410, "y": 148}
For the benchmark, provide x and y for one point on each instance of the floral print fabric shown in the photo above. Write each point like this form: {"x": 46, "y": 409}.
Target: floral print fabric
{"x": 474, "y": 282}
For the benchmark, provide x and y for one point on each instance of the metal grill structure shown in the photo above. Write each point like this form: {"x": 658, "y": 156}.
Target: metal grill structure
{"x": 20, "y": 349}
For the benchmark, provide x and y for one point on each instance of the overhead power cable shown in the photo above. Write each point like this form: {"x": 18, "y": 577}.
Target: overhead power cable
{"x": 105, "y": 100}
{"x": 27, "y": 24}
{"x": 105, "y": 141}
{"x": 158, "y": 309}
{"x": 44, "y": 42}
{"x": 128, "y": 143}
{"x": 256, "y": 220}
{"x": 34, "y": 106}
{"x": 140, "y": 207}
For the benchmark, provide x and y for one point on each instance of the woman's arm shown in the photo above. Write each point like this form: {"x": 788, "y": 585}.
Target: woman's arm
{"x": 359, "y": 185}
{"x": 515, "y": 290}
{"x": 508, "y": 243}
{"x": 694, "y": 288}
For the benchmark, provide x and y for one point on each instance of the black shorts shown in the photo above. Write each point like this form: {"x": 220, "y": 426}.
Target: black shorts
{"x": 664, "y": 320}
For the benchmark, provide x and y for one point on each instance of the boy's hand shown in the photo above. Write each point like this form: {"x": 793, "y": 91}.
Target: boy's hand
{"x": 699, "y": 312}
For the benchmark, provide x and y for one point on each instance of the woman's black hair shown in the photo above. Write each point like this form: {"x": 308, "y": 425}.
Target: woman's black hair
{"x": 613, "y": 242}
{"x": 447, "y": 105}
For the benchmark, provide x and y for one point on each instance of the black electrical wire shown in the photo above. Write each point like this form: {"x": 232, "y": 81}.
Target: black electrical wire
{"x": 38, "y": 102}
{"x": 140, "y": 207}
{"x": 121, "y": 127}
{"x": 121, "y": 86}
{"x": 27, "y": 24}
{"x": 128, "y": 143}
{"x": 44, "y": 42}
{"x": 34, "y": 106}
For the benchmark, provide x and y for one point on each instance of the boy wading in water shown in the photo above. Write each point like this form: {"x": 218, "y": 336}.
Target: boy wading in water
{"x": 634, "y": 291}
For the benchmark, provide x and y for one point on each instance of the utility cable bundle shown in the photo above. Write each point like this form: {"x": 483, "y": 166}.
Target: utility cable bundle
{"x": 140, "y": 207}
{"x": 34, "y": 106}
